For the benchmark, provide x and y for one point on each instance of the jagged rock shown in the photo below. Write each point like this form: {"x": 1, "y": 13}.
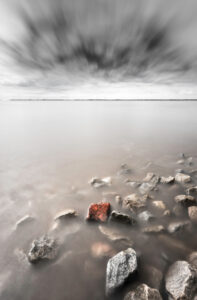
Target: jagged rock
{"x": 119, "y": 268}
{"x": 177, "y": 226}
{"x": 167, "y": 180}
{"x": 167, "y": 213}
{"x": 98, "y": 212}
{"x": 146, "y": 187}
{"x": 180, "y": 281}
{"x": 192, "y": 212}
{"x": 101, "y": 182}
{"x": 153, "y": 276}
{"x": 182, "y": 178}
{"x": 185, "y": 200}
{"x": 143, "y": 292}
{"x": 159, "y": 206}
{"x": 45, "y": 248}
{"x": 66, "y": 214}
{"x": 192, "y": 259}
{"x": 121, "y": 218}
{"x": 115, "y": 235}
{"x": 24, "y": 220}
{"x": 154, "y": 229}
{"x": 145, "y": 217}
{"x": 133, "y": 202}
{"x": 151, "y": 177}
{"x": 102, "y": 250}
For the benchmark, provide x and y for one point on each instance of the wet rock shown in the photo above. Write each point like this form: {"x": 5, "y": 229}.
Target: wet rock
{"x": 182, "y": 178}
{"x": 24, "y": 220}
{"x": 180, "y": 162}
{"x": 143, "y": 292}
{"x": 167, "y": 180}
{"x": 145, "y": 217}
{"x": 192, "y": 212}
{"x": 192, "y": 259}
{"x": 159, "y": 206}
{"x": 153, "y": 276}
{"x": 151, "y": 177}
{"x": 190, "y": 160}
{"x": 133, "y": 184}
{"x": 119, "y": 269}
{"x": 185, "y": 200}
{"x": 45, "y": 248}
{"x": 101, "y": 182}
{"x": 167, "y": 213}
{"x": 115, "y": 235}
{"x": 133, "y": 202}
{"x": 146, "y": 187}
{"x": 178, "y": 226}
{"x": 66, "y": 214}
{"x": 154, "y": 229}
{"x": 180, "y": 281}
{"x": 118, "y": 200}
{"x": 99, "y": 212}
{"x": 101, "y": 250}
{"x": 121, "y": 218}
{"x": 190, "y": 190}
{"x": 179, "y": 171}
{"x": 124, "y": 170}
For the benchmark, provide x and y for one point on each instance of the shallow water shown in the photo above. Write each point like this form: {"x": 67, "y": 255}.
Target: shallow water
{"x": 49, "y": 151}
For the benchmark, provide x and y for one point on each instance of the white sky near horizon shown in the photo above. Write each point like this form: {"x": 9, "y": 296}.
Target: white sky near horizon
{"x": 17, "y": 82}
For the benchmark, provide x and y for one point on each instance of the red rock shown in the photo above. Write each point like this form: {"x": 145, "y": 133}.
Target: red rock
{"x": 99, "y": 212}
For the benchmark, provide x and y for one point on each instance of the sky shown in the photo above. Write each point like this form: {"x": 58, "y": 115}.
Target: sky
{"x": 98, "y": 49}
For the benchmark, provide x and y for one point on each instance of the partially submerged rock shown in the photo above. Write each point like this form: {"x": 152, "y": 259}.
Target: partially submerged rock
{"x": 45, "y": 248}
{"x": 121, "y": 218}
{"x": 154, "y": 229}
{"x": 119, "y": 269}
{"x": 145, "y": 217}
{"x": 115, "y": 235}
{"x": 151, "y": 177}
{"x": 192, "y": 212}
{"x": 124, "y": 170}
{"x": 118, "y": 199}
{"x": 101, "y": 182}
{"x": 167, "y": 180}
{"x": 178, "y": 226}
{"x": 159, "y": 205}
{"x": 146, "y": 187}
{"x": 143, "y": 292}
{"x": 180, "y": 281}
{"x": 24, "y": 220}
{"x": 98, "y": 212}
{"x": 66, "y": 214}
{"x": 133, "y": 202}
{"x": 102, "y": 250}
{"x": 185, "y": 200}
{"x": 133, "y": 184}
{"x": 182, "y": 178}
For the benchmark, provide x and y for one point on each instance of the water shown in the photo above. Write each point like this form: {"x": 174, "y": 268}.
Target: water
{"x": 49, "y": 151}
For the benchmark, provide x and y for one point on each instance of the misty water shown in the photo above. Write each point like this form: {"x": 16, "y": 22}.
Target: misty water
{"x": 49, "y": 151}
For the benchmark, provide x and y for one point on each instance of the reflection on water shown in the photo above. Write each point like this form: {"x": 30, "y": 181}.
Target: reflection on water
{"x": 49, "y": 151}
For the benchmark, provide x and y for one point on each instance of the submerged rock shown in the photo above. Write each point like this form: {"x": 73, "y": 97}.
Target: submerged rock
{"x": 146, "y": 187}
{"x": 177, "y": 226}
{"x": 118, "y": 199}
{"x": 151, "y": 177}
{"x": 192, "y": 212}
{"x": 43, "y": 249}
{"x": 143, "y": 292}
{"x": 182, "y": 178}
{"x": 99, "y": 212}
{"x": 102, "y": 250}
{"x": 145, "y": 217}
{"x": 133, "y": 184}
{"x": 115, "y": 235}
{"x": 185, "y": 200}
{"x": 180, "y": 281}
{"x": 24, "y": 220}
{"x": 66, "y": 214}
{"x": 192, "y": 259}
{"x": 133, "y": 202}
{"x": 167, "y": 180}
{"x": 119, "y": 269}
{"x": 124, "y": 170}
{"x": 121, "y": 218}
{"x": 101, "y": 182}
{"x": 154, "y": 229}
{"x": 159, "y": 206}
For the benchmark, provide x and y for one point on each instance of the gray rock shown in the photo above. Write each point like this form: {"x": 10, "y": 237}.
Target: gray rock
{"x": 66, "y": 214}
{"x": 121, "y": 218}
{"x": 179, "y": 171}
{"x": 159, "y": 206}
{"x": 133, "y": 202}
{"x": 118, "y": 199}
{"x": 191, "y": 189}
{"x": 43, "y": 249}
{"x": 101, "y": 182}
{"x": 119, "y": 269}
{"x": 178, "y": 226}
{"x": 143, "y": 292}
{"x": 154, "y": 229}
{"x": 180, "y": 162}
{"x": 192, "y": 212}
{"x": 185, "y": 200}
{"x": 133, "y": 184}
{"x": 167, "y": 180}
{"x": 115, "y": 235}
{"x": 180, "y": 281}
{"x": 192, "y": 259}
{"x": 24, "y": 220}
{"x": 151, "y": 177}
{"x": 146, "y": 217}
{"x": 182, "y": 178}
{"x": 146, "y": 187}
{"x": 124, "y": 170}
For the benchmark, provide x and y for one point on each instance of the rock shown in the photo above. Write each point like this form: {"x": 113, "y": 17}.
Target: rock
{"x": 190, "y": 161}
{"x": 151, "y": 177}
{"x": 102, "y": 250}
{"x": 180, "y": 162}
{"x": 153, "y": 276}
{"x": 185, "y": 200}
{"x": 181, "y": 155}
{"x": 179, "y": 171}
{"x": 133, "y": 202}
{"x": 143, "y": 292}
{"x": 66, "y": 214}
{"x": 99, "y": 212}
{"x": 24, "y": 220}
{"x": 119, "y": 269}
{"x": 178, "y": 226}
{"x": 167, "y": 180}
{"x": 192, "y": 212}
{"x": 146, "y": 187}
{"x": 182, "y": 178}
{"x": 145, "y": 217}
{"x": 180, "y": 281}
{"x": 133, "y": 184}
{"x": 191, "y": 189}
{"x": 192, "y": 259}
{"x": 159, "y": 206}
{"x": 43, "y": 249}
{"x": 101, "y": 182}
{"x": 115, "y": 235}
{"x": 121, "y": 218}
{"x": 118, "y": 200}
{"x": 154, "y": 229}
{"x": 124, "y": 170}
